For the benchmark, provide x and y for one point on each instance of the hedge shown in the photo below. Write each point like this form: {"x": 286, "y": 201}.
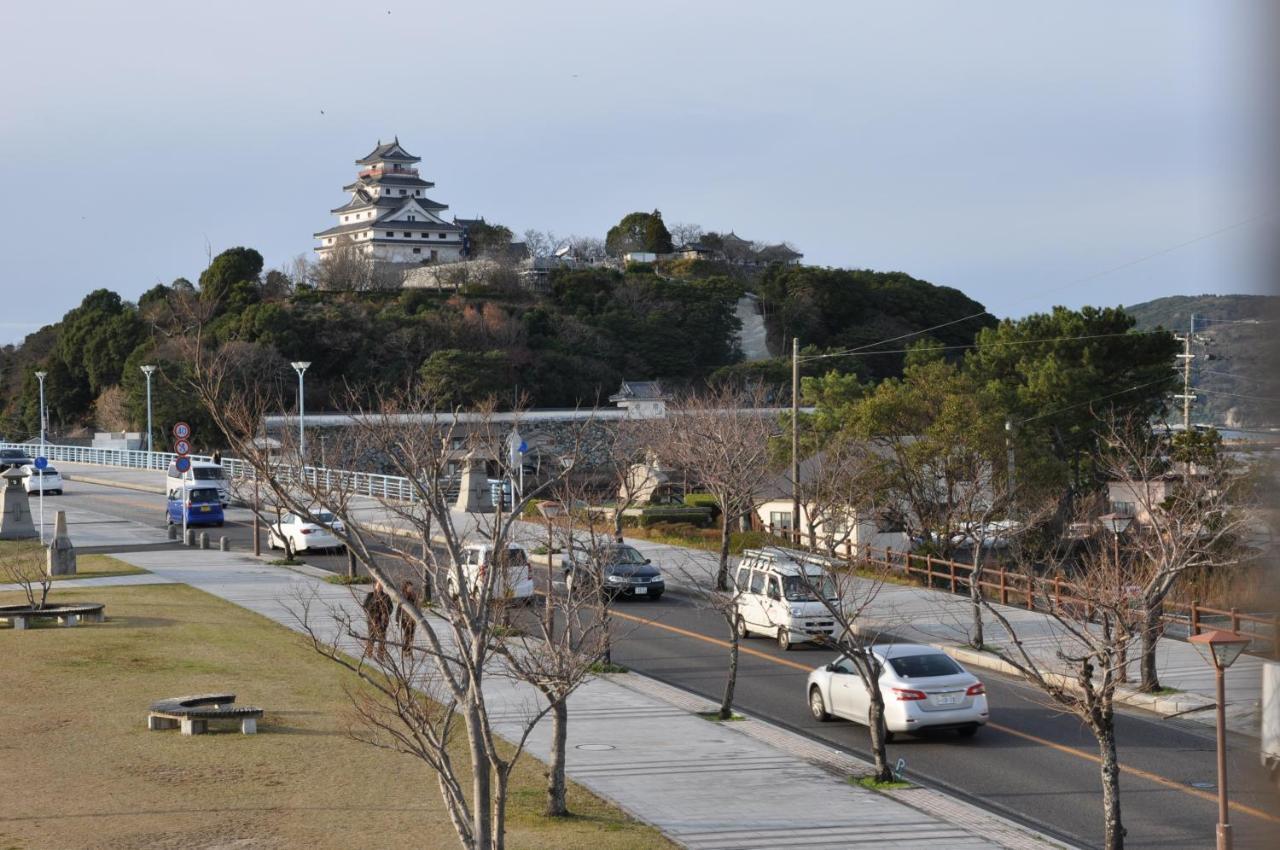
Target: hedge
{"x": 694, "y": 516}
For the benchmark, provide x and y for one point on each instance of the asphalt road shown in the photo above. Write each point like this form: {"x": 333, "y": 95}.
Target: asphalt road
{"x": 1031, "y": 763}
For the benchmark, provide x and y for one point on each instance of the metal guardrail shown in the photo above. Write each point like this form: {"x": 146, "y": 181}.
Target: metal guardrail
{"x": 391, "y": 487}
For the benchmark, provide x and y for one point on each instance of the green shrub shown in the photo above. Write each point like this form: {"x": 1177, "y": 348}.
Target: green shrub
{"x": 703, "y": 500}
{"x": 671, "y": 514}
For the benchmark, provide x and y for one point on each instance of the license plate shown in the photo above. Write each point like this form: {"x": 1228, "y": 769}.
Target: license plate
{"x": 204, "y": 509}
{"x": 641, "y": 591}
{"x": 945, "y": 700}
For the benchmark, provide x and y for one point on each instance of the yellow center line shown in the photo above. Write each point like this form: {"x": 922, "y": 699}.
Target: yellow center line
{"x": 1063, "y": 748}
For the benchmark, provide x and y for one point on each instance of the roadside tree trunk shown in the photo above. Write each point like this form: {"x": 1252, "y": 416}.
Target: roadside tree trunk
{"x": 978, "y": 638}
{"x": 1114, "y": 831}
{"x": 556, "y": 805}
{"x": 878, "y": 735}
{"x": 731, "y": 681}
{"x": 1151, "y": 628}
{"x": 722, "y": 570}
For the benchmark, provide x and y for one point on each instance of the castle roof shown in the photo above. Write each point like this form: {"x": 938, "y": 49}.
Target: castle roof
{"x": 389, "y": 152}
{"x": 362, "y": 200}
{"x": 391, "y": 179}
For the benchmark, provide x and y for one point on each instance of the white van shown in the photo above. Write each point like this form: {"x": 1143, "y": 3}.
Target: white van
{"x": 203, "y": 473}
{"x": 775, "y": 596}
{"x": 516, "y": 581}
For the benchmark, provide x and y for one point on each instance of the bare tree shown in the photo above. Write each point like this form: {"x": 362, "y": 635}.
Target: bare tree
{"x": 26, "y": 567}
{"x": 1188, "y": 516}
{"x": 458, "y": 644}
{"x": 540, "y": 243}
{"x": 349, "y": 267}
{"x": 1078, "y": 662}
{"x": 722, "y": 438}
{"x": 588, "y": 248}
{"x": 683, "y": 233}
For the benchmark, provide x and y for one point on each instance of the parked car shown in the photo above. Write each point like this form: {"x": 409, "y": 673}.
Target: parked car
{"x": 200, "y": 505}
{"x": 515, "y": 582}
{"x": 203, "y": 473}
{"x": 776, "y": 595}
{"x": 45, "y": 480}
{"x": 923, "y": 688}
{"x": 623, "y": 571}
{"x": 11, "y": 458}
{"x": 306, "y": 533}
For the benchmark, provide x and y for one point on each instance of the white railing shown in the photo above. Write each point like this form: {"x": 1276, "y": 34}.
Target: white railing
{"x": 390, "y": 487}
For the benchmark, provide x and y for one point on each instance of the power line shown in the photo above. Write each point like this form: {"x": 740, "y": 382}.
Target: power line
{"x": 1200, "y": 318}
{"x": 1237, "y": 395}
{"x": 1092, "y": 400}
{"x": 1076, "y": 282}
{"x": 1269, "y": 381}
{"x": 855, "y": 353}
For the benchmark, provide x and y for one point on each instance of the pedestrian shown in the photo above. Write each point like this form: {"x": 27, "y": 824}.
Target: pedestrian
{"x": 217, "y": 457}
{"x": 377, "y": 609}
{"x": 407, "y": 624}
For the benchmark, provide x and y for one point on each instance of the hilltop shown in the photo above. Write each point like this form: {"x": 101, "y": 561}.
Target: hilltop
{"x": 1236, "y": 380}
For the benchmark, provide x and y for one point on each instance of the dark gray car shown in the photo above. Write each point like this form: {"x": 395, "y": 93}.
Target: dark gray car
{"x": 10, "y": 458}
{"x": 623, "y": 571}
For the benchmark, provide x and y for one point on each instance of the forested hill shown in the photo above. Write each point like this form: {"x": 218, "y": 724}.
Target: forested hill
{"x": 570, "y": 344}
{"x": 1237, "y": 379}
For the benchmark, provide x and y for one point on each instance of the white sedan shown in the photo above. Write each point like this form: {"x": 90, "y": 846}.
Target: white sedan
{"x": 923, "y": 688}
{"x": 42, "y": 480}
{"x": 303, "y": 533}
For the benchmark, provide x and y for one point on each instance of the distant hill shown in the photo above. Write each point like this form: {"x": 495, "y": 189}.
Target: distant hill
{"x": 1238, "y": 378}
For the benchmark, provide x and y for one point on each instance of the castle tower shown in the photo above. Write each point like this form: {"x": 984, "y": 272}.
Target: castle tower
{"x": 389, "y": 217}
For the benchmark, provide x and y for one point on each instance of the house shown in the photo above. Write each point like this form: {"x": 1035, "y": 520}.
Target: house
{"x": 641, "y": 399}
{"x": 780, "y": 253}
{"x": 1135, "y": 499}
{"x": 849, "y": 531}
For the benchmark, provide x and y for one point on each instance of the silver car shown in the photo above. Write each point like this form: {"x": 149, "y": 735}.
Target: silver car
{"x": 923, "y": 688}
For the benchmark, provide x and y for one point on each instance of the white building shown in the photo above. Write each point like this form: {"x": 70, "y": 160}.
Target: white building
{"x": 389, "y": 217}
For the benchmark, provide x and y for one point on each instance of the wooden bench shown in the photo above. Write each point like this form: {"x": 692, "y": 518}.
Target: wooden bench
{"x": 193, "y": 713}
{"x": 21, "y": 616}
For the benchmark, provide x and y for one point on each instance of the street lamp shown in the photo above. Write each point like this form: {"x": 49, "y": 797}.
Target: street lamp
{"x": 1221, "y": 649}
{"x": 40, "y": 376}
{"x": 1116, "y": 524}
{"x": 300, "y": 366}
{"x": 148, "y": 371}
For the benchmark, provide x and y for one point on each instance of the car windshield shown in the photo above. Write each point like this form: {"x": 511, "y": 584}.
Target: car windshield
{"x": 627, "y": 556}
{"x": 11, "y": 453}
{"x": 202, "y": 494}
{"x": 806, "y": 588}
{"x": 321, "y": 518}
{"x": 924, "y": 666}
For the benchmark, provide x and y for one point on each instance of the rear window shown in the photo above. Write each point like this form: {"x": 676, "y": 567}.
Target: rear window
{"x": 202, "y": 494}
{"x": 206, "y": 473}
{"x": 924, "y": 666}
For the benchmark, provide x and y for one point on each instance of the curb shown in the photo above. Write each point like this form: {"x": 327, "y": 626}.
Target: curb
{"x": 106, "y": 482}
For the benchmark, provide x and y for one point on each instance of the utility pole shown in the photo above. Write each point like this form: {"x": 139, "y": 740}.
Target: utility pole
{"x": 1008, "y": 448}
{"x": 1187, "y": 396}
{"x": 795, "y": 438}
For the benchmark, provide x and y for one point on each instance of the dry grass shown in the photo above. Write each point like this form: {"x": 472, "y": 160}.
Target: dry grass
{"x": 87, "y": 566}
{"x": 83, "y": 772}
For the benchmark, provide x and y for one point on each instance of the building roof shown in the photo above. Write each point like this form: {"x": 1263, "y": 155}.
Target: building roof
{"x": 639, "y": 391}
{"x": 362, "y": 200}
{"x": 779, "y": 252}
{"x": 387, "y": 223}
{"x": 389, "y": 152}
{"x": 390, "y": 179}
{"x": 468, "y": 222}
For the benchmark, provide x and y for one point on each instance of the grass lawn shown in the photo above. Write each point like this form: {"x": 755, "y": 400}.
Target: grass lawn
{"x": 87, "y": 566}
{"x": 83, "y": 771}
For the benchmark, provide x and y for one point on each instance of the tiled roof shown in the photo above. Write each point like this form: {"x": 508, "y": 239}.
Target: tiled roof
{"x": 639, "y": 391}
{"x": 391, "y": 151}
{"x": 389, "y": 179}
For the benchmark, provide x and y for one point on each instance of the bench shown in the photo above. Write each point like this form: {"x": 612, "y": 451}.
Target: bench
{"x": 193, "y": 713}
{"x": 21, "y": 616}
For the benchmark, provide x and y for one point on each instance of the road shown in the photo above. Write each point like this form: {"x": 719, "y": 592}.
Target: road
{"x": 1031, "y": 763}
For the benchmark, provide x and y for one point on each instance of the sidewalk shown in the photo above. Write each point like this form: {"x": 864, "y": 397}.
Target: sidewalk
{"x": 708, "y": 786}
{"x": 908, "y": 613}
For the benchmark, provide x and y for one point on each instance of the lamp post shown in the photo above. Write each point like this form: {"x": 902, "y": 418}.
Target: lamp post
{"x": 148, "y": 371}
{"x": 300, "y": 366}
{"x": 40, "y": 376}
{"x": 1221, "y": 649}
{"x": 1116, "y": 524}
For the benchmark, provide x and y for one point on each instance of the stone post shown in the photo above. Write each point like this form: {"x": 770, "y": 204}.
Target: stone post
{"x": 61, "y": 558}
{"x": 204, "y": 540}
{"x": 15, "y": 509}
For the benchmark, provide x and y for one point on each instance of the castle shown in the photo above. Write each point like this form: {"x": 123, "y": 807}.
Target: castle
{"x": 389, "y": 218}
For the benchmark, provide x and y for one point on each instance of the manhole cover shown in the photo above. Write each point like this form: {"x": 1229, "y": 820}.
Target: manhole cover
{"x": 1203, "y": 786}
{"x": 595, "y": 747}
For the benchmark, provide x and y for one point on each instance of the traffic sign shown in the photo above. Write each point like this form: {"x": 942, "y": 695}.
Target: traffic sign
{"x": 183, "y": 463}
{"x": 181, "y": 430}
{"x": 182, "y": 447}
{"x": 40, "y": 462}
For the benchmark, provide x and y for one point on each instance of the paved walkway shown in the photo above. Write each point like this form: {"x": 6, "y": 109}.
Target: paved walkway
{"x": 707, "y": 785}
{"x": 909, "y": 613}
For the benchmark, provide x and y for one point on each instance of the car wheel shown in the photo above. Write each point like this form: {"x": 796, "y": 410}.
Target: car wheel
{"x": 784, "y": 640}
{"x": 967, "y": 731}
{"x": 817, "y": 707}
{"x": 888, "y": 736}
{"x": 219, "y": 523}
{"x": 271, "y": 541}
{"x": 740, "y": 626}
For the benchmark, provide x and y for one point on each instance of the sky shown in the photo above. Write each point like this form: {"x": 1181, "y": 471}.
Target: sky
{"x": 1029, "y": 154}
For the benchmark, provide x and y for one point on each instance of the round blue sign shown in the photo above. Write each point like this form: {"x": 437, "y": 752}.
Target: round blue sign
{"x": 183, "y": 463}
{"x": 40, "y": 462}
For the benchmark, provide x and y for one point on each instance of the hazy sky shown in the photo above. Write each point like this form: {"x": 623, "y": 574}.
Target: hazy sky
{"x": 1009, "y": 149}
